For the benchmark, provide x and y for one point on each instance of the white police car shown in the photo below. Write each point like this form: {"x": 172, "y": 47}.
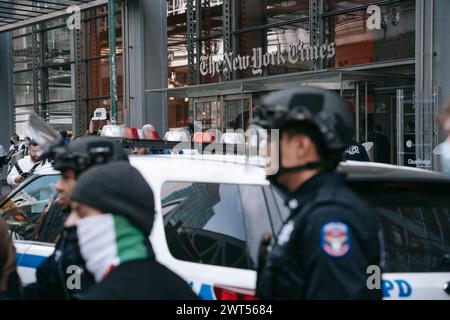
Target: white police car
{"x": 212, "y": 212}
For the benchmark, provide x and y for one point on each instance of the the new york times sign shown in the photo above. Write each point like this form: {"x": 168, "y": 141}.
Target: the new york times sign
{"x": 259, "y": 60}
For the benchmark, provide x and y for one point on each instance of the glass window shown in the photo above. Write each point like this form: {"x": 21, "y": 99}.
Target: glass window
{"x": 178, "y": 115}
{"x": 275, "y": 50}
{"x": 57, "y": 46}
{"x": 332, "y": 5}
{"x": 415, "y": 220}
{"x": 60, "y": 115}
{"x": 98, "y": 77}
{"x": 23, "y": 210}
{"x": 416, "y": 238}
{"x": 355, "y": 44}
{"x": 60, "y": 83}
{"x": 178, "y": 66}
{"x": 211, "y": 17}
{"x": 98, "y": 36}
{"x": 207, "y": 223}
{"x": 23, "y": 88}
{"x": 21, "y": 31}
{"x": 254, "y": 13}
{"x": 23, "y": 53}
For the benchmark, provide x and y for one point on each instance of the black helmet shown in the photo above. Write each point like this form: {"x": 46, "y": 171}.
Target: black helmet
{"x": 86, "y": 152}
{"x": 320, "y": 107}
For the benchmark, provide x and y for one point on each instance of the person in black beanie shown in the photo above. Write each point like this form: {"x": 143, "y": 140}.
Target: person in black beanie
{"x": 113, "y": 227}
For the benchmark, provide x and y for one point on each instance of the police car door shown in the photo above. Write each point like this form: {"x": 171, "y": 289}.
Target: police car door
{"x": 415, "y": 222}
{"x": 21, "y": 210}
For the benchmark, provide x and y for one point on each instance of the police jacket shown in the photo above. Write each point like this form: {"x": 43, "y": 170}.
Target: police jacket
{"x": 324, "y": 249}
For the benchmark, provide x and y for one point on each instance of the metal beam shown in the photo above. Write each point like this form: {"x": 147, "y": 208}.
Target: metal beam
{"x": 49, "y": 16}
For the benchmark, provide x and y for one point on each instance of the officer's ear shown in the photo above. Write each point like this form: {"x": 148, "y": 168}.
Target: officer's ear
{"x": 298, "y": 144}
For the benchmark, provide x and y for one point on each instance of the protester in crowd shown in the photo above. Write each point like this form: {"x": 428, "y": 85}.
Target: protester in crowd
{"x": 72, "y": 160}
{"x": 381, "y": 145}
{"x": 113, "y": 235}
{"x": 15, "y": 152}
{"x": 63, "y": 134}
{"x": 15, "y": 143}
{"x": 99, "y": 118}
{"x": 29, "y": 165}
{"x": 26, "y": 144}
{"x": 150, "y": 132}
{"x": 9, "y": 280}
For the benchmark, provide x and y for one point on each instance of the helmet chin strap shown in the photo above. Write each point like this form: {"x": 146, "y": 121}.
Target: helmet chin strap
{"x": 303, "y": 167}
{"x": 281, "y": 170}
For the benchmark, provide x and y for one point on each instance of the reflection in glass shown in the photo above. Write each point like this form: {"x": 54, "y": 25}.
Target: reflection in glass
{"x": 98, "y": 77}
{"x": 60, "y": 83}
{"x": 23, "y": 88}
{"x": 355, "y": 44}
{"x": 57, "y": 46}
{"x": 275, "y": 41}
{"x": 254, "y": 13}
{"x": 22, "y": 53}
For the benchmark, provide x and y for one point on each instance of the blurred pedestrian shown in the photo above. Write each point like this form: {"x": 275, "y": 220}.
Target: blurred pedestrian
{"x": 29, "y": 165}
{"x": 381, "y": 145}
{"x": 15, "y": 143}
{"x": 150, "y": 132}
{"x": 113, "y": 227}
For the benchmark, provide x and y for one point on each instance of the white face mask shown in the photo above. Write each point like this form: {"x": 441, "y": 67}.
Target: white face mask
{"x": 96, "y": 238}
{"x": 107, "y": 240}
{"x": 445, "y": 158}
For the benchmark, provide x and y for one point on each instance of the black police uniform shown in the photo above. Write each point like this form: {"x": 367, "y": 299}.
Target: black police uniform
{"x": 324, "y": 249}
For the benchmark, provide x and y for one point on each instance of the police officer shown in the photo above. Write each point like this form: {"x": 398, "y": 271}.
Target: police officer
{"x": 331, "y": 236}
{"x": 356, "y": 152}
{"x": 52, "y": 276}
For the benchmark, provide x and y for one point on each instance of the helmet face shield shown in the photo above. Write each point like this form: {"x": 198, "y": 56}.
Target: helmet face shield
{"x": 263, "y": 144}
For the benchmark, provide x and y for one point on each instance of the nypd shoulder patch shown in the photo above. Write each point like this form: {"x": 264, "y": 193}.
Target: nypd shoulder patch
{"x": 335, "y": 239}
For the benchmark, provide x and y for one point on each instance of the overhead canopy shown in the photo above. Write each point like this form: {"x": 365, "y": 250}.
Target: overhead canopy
{"x": 327, "y": 79}
{"x": 15, "y": 14}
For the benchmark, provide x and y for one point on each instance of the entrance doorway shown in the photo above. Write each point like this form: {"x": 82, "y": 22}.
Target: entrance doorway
{"x": 223, "y": 112}
{"x": 391, "y": 126}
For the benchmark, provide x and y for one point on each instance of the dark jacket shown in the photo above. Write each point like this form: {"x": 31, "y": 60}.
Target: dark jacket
{"x": 356, "y": 152}
{"x": 53, "y": 273}
{"x": 9, "y": 280}
{"x": 326, "y": 246}
{"x": 141, "y": 280}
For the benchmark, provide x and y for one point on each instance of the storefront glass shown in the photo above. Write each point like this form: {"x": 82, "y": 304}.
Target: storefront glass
{"x": 356, "y": 44}
{"x": 57, "y": 72}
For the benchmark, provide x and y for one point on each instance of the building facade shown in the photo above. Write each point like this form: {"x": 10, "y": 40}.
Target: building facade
{"x": 380, "y": 56}
{"x": 60, "y": 66}
{"x": 210, "y": 61}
